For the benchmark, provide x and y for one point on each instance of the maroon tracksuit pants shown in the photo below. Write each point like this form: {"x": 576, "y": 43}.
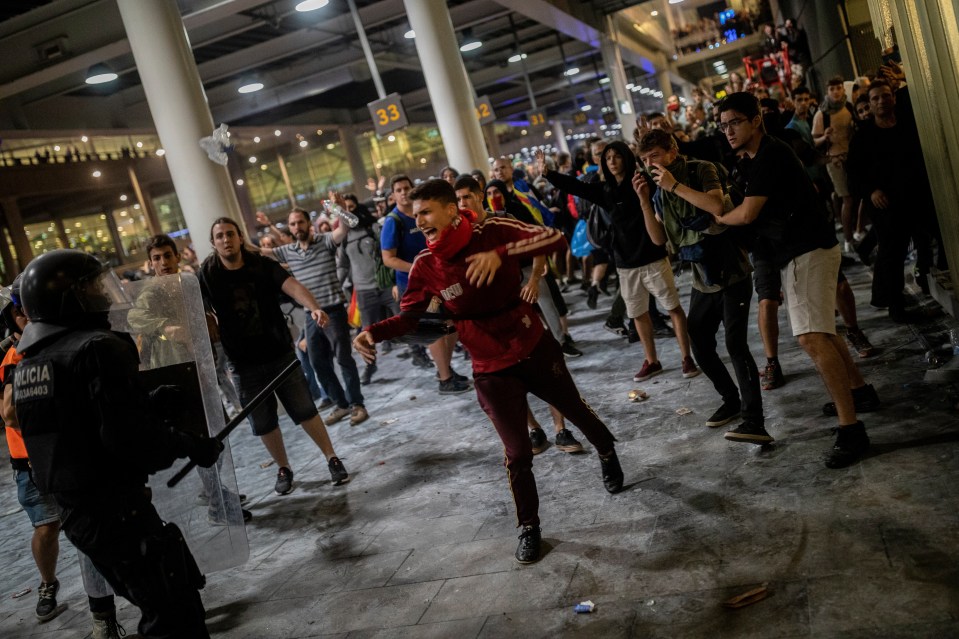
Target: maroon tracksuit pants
{"x": 502, "y": 395}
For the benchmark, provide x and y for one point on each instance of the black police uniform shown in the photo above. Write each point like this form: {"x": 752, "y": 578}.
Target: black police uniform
{"x": 93, "y": 438}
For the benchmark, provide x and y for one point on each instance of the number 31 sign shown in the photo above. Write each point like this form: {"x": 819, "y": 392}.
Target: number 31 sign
{"x": 388, "y": 114}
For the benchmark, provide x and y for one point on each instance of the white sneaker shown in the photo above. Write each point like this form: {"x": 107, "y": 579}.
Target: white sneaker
{"x": 847, "y": 247}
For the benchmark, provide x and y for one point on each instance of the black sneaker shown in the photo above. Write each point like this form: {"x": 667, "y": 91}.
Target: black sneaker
{"x": 865, "y": 398}
{"x": 612, "y": 472}
{"x": 567, "y": 443}
{"x": 616, "y": 328}
{"x": 529, "y": 541}
{"x": 592, "y": 294}
{"x": 367, "y": 376}
{"x": 338, "y": 472}
{"x": 749, "y": 433}
{"x": 726, "y": 413}
{"x": 284, "y": 481}
{"x": 851, "y": 443}
{"x": 453, "y": 386}
{"x": 569, "y": 347}
{"x": 456, "y": 376}
{"x": 47, "y": 607}
{"x": 420, "y": 359}
{"x": 538, "y": 440}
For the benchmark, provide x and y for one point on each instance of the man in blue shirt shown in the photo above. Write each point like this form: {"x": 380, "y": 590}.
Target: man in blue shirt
{"x": 400, "y": 242}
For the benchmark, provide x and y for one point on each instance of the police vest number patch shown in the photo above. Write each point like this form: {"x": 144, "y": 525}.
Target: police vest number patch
{"x": 33, "y": 381}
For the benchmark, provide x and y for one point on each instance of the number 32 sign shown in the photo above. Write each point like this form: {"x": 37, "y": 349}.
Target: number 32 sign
{"x": 388, "y": 114}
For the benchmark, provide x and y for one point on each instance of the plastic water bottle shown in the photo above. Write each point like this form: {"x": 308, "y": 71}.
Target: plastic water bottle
{"x": 333, "y": 209}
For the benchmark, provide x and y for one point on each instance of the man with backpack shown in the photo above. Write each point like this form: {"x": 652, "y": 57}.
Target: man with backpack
{"x": 400, "y": 243}
{"x": 722, "y": 286}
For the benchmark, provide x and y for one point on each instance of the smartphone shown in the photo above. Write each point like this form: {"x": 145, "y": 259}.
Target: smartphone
{"x": 892, "y": 55}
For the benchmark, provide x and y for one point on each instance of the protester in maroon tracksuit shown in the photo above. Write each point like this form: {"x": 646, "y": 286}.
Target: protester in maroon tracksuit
{"x": 473, "y": 270}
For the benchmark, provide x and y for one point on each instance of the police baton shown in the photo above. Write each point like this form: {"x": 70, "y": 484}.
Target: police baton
{"x": 239, "y": 417}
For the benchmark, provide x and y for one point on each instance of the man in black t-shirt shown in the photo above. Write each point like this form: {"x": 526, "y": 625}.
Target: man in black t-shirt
{"x": 242, "y": 287}
{"x": 790, "y": 230}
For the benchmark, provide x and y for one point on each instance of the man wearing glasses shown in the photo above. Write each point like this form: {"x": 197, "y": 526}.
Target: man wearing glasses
{"x": 791, "y": 232}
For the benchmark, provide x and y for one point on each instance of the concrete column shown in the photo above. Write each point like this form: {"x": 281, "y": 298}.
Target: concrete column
{"x": 15, "y": 223}
{"x": 115, "y": 234}
{"x": 613, "y": 61}
{"x": 448, "y": 85}
{"x": 354, "y": 158}
{"x": 559, "y": 136}
{"x": 286, "y": 179}
{"x": 10, "y": 267}
{"x": 665, "y": 84}
{"x": 153, "y": 222}
{"x": 180, "y": 112}
{"x": 492, "y": 144}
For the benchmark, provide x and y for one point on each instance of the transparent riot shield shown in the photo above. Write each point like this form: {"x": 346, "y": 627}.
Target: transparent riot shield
{"x": 165, "y": 317}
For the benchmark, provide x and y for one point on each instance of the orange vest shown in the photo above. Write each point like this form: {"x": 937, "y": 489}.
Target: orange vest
{"x": 14, "y": 439}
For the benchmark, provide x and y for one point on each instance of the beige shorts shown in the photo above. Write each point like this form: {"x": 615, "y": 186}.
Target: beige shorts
{"x": 809, "y": 288}
{"x": 636, "y": 284}
{"x": 837, "y": 173}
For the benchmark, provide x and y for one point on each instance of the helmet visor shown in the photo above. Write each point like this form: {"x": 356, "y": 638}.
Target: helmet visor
{"x": 102, "y": 293}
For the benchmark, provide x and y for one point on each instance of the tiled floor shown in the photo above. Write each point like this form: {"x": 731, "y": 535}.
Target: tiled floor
{"x": 420, "y": 543}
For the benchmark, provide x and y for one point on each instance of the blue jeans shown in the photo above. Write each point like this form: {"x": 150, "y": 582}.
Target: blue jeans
{"x": 316, "y": 391}
{"x": 325, "y": 345}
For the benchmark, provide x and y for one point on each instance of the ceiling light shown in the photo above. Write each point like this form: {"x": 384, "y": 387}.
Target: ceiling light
{"x": 516, "y": 57}
{"x": 256, "y": 139}
{"x": 84, "y": 138}
{"x": 319, "y": 131}
{"x": 56, "y": 147}
{"x": 303, "y": 144}
{"x": 277, "y": 133}
{"x": 604, "y": 80}
{"x": 250, "y": 87}
{"x": 675, "y": 1}
{"x": 569, "y": 72}
{"x": 123, "y": 198}
{"x": 252, "y": 159}
{"x": 139, "y": 145}
{"x": 585, "y": 107}
{"x": 391, "y": 138}
{"x": 654, "y": 13}
{"x": 97, "y": 174}
{"x": 331, "y": 146}
{"x": 239, "y": 182}
{"x": 630, "y": 85}
{"x": 263, "y": 167}
{"x": 469, "y": 42}
{"x": 719, "y": 63}
{"x": 409, "y": 35}
{"x": 310, "y": 5}
{"x": 161, "y": 152}
{"x": 100, "y": 74}
{"x": 123, "y": 213}
{"x": 645, "y": 90}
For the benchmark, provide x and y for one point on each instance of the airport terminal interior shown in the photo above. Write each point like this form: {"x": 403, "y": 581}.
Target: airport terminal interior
{"x": 121, "y": 120}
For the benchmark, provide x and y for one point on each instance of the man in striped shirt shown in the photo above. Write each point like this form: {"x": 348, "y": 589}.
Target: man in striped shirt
{"x": 312, "y": 260}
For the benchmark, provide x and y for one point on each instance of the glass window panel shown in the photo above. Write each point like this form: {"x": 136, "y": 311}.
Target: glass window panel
{"x": 91, "y": 234}
{"x": 170, "y": 216}
{"x": 43, "y": 237}
{"x": 133, "y": 230}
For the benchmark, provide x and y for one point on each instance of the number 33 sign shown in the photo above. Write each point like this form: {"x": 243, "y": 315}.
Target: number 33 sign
{"x": 388, "y": 114}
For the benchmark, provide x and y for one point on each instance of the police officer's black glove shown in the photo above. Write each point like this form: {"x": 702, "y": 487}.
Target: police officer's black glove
{"x": 203, "y": 451}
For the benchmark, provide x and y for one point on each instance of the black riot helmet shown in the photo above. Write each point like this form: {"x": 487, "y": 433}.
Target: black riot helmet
{"x": 64, "y": 286}
{"x": 9, "y": 300}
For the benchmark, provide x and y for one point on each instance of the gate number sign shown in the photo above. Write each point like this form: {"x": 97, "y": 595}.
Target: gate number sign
{"x": 484, "y": 110}
{"x": 388, "y": 114}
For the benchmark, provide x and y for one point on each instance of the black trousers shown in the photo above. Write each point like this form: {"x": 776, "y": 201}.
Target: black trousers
{"x": 894, "y": 229}
{"x": 143, "y": 560}
{"x": 729, "y": 306}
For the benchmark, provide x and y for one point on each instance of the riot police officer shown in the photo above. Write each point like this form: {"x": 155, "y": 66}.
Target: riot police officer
{"x": 94, "y": 437}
